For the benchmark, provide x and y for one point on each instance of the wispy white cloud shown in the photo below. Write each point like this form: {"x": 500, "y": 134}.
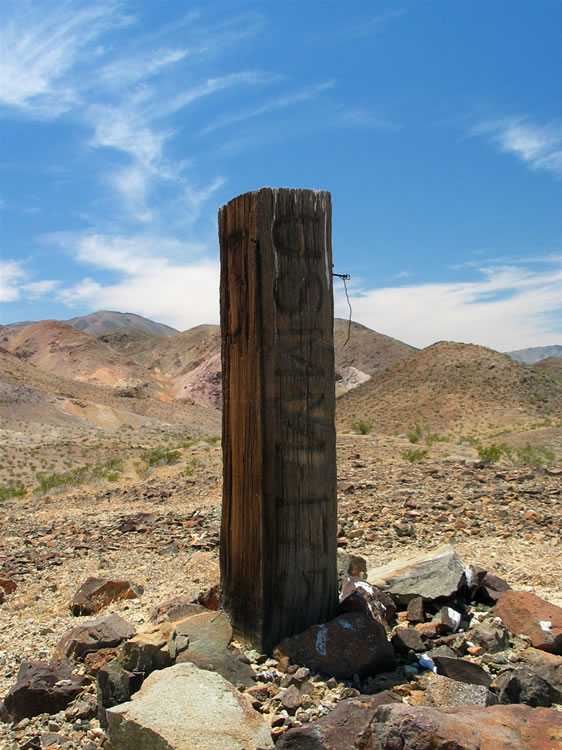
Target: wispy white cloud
{"x": 538, "y": 146}
{"x": 281, "y": 102}
{"x": 508, "y": 307}
{"x": 11, "y": 275}
{"x": 159, "y": 277}
{"x": 14, "y": 283}
{"x": 40, "y": 47}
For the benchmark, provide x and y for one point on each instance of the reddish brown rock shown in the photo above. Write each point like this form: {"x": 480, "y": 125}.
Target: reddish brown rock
{"x": 93, "y": 635}
{"x": 523, "y": 612}
{"x": 291, "y": 699}
{"x": 96, "y": 593}
{"x": 415, "y": 612}
{"x": 466, "y": 728}
{"x": 349, "y": 644}
{"x": 8, "y": 585}
{"x": 96, "y": 660}
{"x": 406, "y": 639}
{"x": 492, "y": 588}
{"x": 43, "y": 687}
{"x": 347, "y": 727}
{"x": 209, "y": 598}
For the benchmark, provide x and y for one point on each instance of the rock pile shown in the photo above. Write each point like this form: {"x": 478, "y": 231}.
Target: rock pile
{"x": 425, "y": 653}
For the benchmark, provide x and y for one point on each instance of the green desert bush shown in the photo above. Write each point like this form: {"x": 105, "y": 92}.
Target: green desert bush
{"x": 12, "y": 489}
{"x": 414, "y": 454}
{"x": 160, "y": 456}
{"x": 362, "y": 426}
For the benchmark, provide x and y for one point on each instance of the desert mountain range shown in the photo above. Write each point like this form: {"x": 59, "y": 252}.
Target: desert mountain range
{"x": 111, "y": 368}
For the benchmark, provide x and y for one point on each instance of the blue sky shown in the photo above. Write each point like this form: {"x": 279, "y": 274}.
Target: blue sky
{"x": 436, "y": 126}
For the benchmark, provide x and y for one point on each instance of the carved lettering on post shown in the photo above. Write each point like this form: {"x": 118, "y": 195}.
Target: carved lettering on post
{"x": 278, "y": 529}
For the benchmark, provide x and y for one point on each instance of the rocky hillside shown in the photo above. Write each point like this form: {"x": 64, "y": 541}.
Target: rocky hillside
{"x": 550, "y": 366}
{"x": 453, "y": 387}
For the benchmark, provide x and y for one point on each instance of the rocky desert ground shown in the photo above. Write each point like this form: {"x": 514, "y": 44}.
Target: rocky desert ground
{"x": 105, "y": 473}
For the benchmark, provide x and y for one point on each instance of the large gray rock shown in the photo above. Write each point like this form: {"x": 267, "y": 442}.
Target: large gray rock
{"x": 522, "y": 685}
{"x": 433, "y": 574}
{"x": 186, "y": 708}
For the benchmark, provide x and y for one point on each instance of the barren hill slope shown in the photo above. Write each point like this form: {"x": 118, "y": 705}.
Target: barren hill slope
{"x": 57, "y": 347}
{"x": 453, "y": 387}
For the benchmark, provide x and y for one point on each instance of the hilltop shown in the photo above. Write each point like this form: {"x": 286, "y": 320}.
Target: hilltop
{"x": 108, "y": 320}
{"x": 450, "y": 386}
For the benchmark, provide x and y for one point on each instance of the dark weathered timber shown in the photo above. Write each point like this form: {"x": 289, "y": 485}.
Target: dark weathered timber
{"x": 278, "y": 530}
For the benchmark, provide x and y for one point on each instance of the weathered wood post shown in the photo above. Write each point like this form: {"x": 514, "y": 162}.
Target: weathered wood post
{"x": 279, "y": 525}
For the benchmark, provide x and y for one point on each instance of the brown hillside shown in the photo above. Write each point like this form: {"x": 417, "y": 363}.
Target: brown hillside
{"x": 366, "y": 350}
{"x": 453, "y": 387}
{"x": 62, "y": 349}
{"x": 175, "y": 355}
{"x": 550, "y": 366}
{"x": 129, "y": 341}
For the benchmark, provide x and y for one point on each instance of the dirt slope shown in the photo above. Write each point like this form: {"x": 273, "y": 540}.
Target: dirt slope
{"x": 453, "y": 387}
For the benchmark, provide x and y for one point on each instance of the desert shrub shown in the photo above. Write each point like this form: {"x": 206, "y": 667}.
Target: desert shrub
{"x": 492, "y": 452}
{"x": 434, "y": 437}
{"x": 12, "y": 489}
{"x": 414, "y": 454}
{"x": 108, "y": 471}
{"x": 213, "y": 439}
{"x": 535, "y": 455}
{"x": 414, "y": 436}
{"x": 362, "y": 426}
{"x": 160, "y": 456}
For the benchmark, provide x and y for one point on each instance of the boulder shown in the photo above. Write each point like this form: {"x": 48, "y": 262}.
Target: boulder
{"x": 93, "y": 635}
{"x": 415, "y": 612}
{"x": 522, "y": 685}
{"x": 491, "y": 636}
{"x": 349, "y": 644}
{"x": 461, "y": 670}
{"x": 206, "y": 631}
{"x": 548, "y": 666}
{"x": 43, "y": 688}
{"x": 523, "y": 612}
{"x": 175, "y": 609}
{"x": 407, "y": 639}
{"x": 186, "y": 708}
{"x": 428, "y": 575}
{"x": 492, "y": 588}
{"x": 228, "y": 662}
{"x": 347, "y": 727}
{"x": 115, "y": 685}
{"x": 466, "y": 728}
{"x": 96, "y": 593}
{"x": 147, "y": 650}
{"x": 442, "y": 691}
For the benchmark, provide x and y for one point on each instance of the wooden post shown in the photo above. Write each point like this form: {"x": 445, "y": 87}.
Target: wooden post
{"x": 279, "y": 515}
